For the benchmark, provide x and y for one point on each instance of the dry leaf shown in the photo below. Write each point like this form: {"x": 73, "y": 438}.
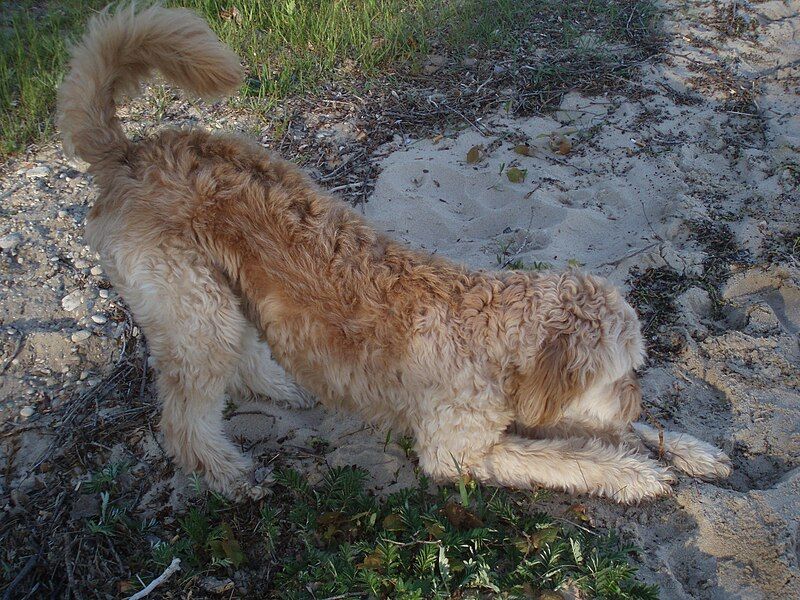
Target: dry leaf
{"x": 373, "y": 562}
{"x": 435, "y": 530}
{"x": 460, "y": 517}
{"x": 438, "y": 138}
{"x": 393, "y": 522}
{"x": 475, "y": 154}
{"x": 124, "y": 586}
{"x": 579, "y": 512}
{"x": 560, "y": 144}
{"x": 544, "y": 536}
{"x": 524, "y": 150}
{"x": 516, "y": 175}
{"x": 231, "y": 14}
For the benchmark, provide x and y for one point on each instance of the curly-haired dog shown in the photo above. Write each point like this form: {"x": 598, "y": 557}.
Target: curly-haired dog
{"x": 221, "y": 248}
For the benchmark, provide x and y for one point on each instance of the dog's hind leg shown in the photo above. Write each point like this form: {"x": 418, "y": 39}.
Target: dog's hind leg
{"x": 258, "y": 375}
{"x": 692, "y": 456}
{"x": 194, "y": 328}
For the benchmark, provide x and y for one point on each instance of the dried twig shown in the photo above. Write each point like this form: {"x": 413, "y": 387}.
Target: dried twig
{"x": 29, "y": 566}
{"x": 168, "y": 572}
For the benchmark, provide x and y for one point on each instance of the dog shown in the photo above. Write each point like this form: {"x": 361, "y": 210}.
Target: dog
{"x": 230, "y": 257}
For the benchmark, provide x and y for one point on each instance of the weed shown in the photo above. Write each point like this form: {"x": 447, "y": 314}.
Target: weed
{"x": 107, "y": 478}
{"x": 336, "y": 538}
{"x": 406, "y": 444}
{"x": 32, "y": 57}
{"x": 420, "y": 545}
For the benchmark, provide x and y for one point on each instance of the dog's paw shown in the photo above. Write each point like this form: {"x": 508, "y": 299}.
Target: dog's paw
{"x": 707, "y": 463}
{"x": 646, "y": 482}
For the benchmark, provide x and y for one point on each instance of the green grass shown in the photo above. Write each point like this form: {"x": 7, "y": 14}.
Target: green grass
{"x": 291, "y": 46}
{"x": 288, "y": 45}
{"x": 32, "y": 58}
{"x": 335, "y": 539}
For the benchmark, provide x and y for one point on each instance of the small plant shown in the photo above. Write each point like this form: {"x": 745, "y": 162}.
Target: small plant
{"x": 111, "y": 518}
{"x": 539, "y": 265}
{"x": 467, "y": 539}
{"x": 574, "y": 263}
{"x": 406, "y": 444}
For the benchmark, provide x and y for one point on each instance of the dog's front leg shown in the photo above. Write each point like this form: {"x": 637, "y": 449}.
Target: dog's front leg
{"x": 573, "y": 465}
{"x": 692, "y": 456}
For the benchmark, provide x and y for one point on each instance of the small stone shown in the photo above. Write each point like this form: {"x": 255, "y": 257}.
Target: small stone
{"x": 37, "y": 172}
{"x": 214, "y": 585}
{"x": 96, "y": 270}
{"x": 72, "y": 301}
{"x": 26, "y": 412}
{"x": 99, "y": 319}
{"x": 81, "y": 264}
{"x": 10, "y": 241}
{"x": 761, "y": 320}
{"x": 81, "y": 336}
{"x": 135, "y": 331}
{"x": 104, "y": 293}
{"x": 696, "y": 301}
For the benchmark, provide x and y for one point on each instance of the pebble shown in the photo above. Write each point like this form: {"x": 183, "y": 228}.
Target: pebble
{"x": 71, "y": 301}
{"x": 10, "y": 241}
{"x": 96, "y": 271}
{"x": 26, "y": 411}
{"x": 216, "y": 586}
{"x": 81, "y": 336}
{"x": 99, "y": 319}
{"x": 37, "y": 172}
{"x": 80, "y": 264}
{"x": 104, "y": 293}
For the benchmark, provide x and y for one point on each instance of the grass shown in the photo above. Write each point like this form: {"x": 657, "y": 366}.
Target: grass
{"x": 32, "y": 58}
{"x": 292, "y": 46}
{"x": 335, "y": 539}
{"x": 288, "y": 45}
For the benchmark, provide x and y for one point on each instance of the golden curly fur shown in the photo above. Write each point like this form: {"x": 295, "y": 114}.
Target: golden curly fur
{"x": 218, "y": 247}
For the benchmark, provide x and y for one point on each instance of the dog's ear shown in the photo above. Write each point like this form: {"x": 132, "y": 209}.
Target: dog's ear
{"x": 542, "y": 390}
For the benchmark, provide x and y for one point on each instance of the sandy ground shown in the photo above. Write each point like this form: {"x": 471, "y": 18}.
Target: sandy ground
{"x": 713, "y": 138}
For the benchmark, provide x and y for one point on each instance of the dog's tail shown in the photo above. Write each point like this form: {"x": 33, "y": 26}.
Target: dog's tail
{"x": 117, "y": 52}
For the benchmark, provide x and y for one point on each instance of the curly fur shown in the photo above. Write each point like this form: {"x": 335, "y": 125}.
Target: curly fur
{"x": 215, "y": 243}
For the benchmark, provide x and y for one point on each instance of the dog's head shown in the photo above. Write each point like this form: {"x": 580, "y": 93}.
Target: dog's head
{"x": 579, "y": 335}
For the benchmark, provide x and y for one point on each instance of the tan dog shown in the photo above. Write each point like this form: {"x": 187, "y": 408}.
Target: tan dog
{"x": 215, "y": 243}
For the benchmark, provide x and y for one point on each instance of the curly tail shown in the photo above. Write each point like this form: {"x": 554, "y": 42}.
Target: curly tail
{"x": 117, "y": 52}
